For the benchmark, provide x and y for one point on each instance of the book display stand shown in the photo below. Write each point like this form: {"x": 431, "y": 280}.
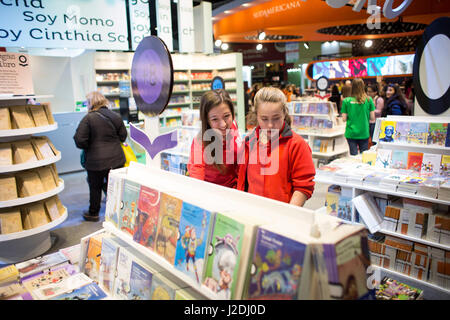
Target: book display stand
{"x": 318, "y": 123}
{"x": 400, "y": 190}
{"x": 29, "y": 206}
{"x": 168, "y": 193}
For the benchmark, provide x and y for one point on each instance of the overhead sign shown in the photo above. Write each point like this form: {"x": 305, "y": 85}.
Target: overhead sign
{"x": 186, "y": 38}
{"x": 140, "y": 23}
{"x": 15, "y": 74}
{"x": 88, "y": 24}
{"x": 152, "y": 76}
{"x": 164, "y": 22}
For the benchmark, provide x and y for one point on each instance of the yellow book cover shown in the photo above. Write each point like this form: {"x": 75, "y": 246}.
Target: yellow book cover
{"x": 445, "y": 164}
{"x": 369, "y": 157}
{"x": 387, "y": 131}
{"x": 92, "y": 265}
{"x": 8, "y": 274}
{"x": 332, "y": 200}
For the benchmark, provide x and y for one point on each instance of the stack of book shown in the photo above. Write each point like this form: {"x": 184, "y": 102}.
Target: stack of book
{"x": 430, "y": 187}
{"x": 375, "y": 178}
{"x": 392, "y": 181}
{"x": 410, "y": 184}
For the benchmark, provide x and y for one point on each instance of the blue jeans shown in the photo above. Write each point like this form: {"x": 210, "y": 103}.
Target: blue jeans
{"x": 353, "y": 144}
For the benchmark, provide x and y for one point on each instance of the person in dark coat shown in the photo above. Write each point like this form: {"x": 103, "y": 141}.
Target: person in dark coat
{"x": 100, "y": 134}
{"x": 395, "y": 103}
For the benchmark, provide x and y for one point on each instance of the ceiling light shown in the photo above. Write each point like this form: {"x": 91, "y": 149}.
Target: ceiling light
{"x": 306, "y": 44}
{"x": 262, "y": 35}
{"x": 227, "y": 11}
{"x": 246, "y": 4}
{"x": 224, "y": 46}
{"x": 334, "y": 43}
{"x": 327, "y": 43}
{"x": 368, "y": 43}
{"x": 259, "y": 46}
{"x": 268, "y": 64}
{"x": 218, "y": 42}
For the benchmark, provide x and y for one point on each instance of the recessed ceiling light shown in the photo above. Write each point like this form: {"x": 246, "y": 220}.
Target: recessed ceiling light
{"x": 259, "y": 46}
{"x": 224, "y": 46}
{"x": 368, "y": 43}
{"x": 218, "y": 42}
{"x": 262, "y": 35}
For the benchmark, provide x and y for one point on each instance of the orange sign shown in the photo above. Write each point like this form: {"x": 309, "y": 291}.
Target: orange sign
{"x": 15, "y": 74}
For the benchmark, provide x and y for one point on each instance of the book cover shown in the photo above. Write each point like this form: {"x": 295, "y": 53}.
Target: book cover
{"x": 431, "y": 164}
{"x": 383, "y": 159}
{"x": 447, "y": 139}
{"x": 123, "y": 275}
{"x": 108, "y": 263}
{"x": 161, "y": 290}
{"x": 387, "y": 131}
{"x": 194, "y": 230}
{"x": 92, "y": 265}
{"x": 437, "y": 134}
{"x": 128, "y": 207}
{"x": 391, "y": 289}
{"x": 369, "y": 157}
{"x": 297, "y": 107}
{"x": 12, "y": 291}
{"x": 277, "y": 267}
{"x": 168, "y": 222}
{"x": 55, "y": 289}
{"x": 140, "y": 282}
{"x": 224, "y": 256}
{"x": 445, "y": 165}
{"x": 88, "y": 292}
{"x": 46, "y": 278}
{"x": 414, "y": 161}
{"x": 312, "y": 109}
{"x": 399, "y": 159}
{"x": 345, "y": 208}
{"x": 39, "y": 264}
{"x": 418, "y": 133}
{"x": 346, "y": 263}
{"x": 402, "y": 131}
{"x": 147, "y": 217}
{"x": 112, "y": 209}
{"x": 331, "y": 202}
{"x": 8, "y": 274}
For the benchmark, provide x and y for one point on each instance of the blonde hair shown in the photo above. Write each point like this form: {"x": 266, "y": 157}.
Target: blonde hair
{"x": 274, "y": 95}
{"x": 359, "y": 90}
{"x": 96, "y": 100}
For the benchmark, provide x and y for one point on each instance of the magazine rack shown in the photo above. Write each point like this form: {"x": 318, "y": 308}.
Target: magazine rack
{"x": 27, "y": 244}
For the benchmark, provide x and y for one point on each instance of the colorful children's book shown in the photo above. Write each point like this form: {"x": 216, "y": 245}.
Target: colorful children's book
{"x": 445, "y": 165}
{"x": 162, "y": 288}
{"x": 414, "y": 161}
{"x": 122, "y": 280}
{"x": 88, "y": 292}
{"x": 48, "y": 277}
{"x": 418, "y": 133}
{"x": 332, "y": 201}
{"x": 140, "y": 282}
{"x": 128, "y": 207}
{"x": 108, "y": 264}
{"x": 55, "y": 289}
{"x": 115, "y": 183}
{"x": 168, "y": 222}
{"x": 40, "y": 264}
{"x": 92, "y": 265}
{"x": 387, "y": 131}
{"x": 195, "y": 225}
{"x": 345, "y": 208}
{"x": 383, "y": 158}
{"x": 399, "y": 159}
{"x": 431, "y": 164}
{"x": 401, "y": 132}
{"x": 447, "y": 140}
{"x": 437, "y": 134}
{"x": 224, "y": 256}
{"x": 278, "y": 262}
{"x": 369, "y": 157}
{"x": 391, "y": 289}
{"x": 297, "y": 107}
{"x": 147, "y": 217}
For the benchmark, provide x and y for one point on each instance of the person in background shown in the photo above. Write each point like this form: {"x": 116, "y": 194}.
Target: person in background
{"x": 277, "y": 162}
{"x": 346, "y": 92}
{"x": 374, "y": 92}
{"x": 246, "y": 100}
{"x": 100, "y": 134}
{"x": 395, "y": 103}
{"x": 255, "y": 88}
{"x": 358, "y": 110}
{"x": 335, "y": 97}
{"x": 216, "y": 113}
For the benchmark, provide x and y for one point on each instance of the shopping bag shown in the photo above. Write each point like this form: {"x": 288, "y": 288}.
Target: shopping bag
{"x": 129, "y": 154}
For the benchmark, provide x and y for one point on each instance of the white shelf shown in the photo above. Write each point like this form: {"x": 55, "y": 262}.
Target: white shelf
{"x": 27, "y": 131}
{"x": 159, "y": 260}
{"x": 30, "y": 232}
{"x": 328, "y": 154}
{"x": 329, "y": 180}
{"x": 8, "y": 97}
{"x": 331, "y": 134}
{"x": 423, "y": 147}
{"x": 422, "y": 283}
{"x": 410, "y": 238}
{"x": 315, "y": 115}
{"x": 37, "y": 197}
{"x": 30, "y": 165}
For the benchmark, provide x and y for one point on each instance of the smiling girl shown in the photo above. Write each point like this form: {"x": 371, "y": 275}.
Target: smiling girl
{"x": 217, "y": 118}
{"x": 277, "y": 161}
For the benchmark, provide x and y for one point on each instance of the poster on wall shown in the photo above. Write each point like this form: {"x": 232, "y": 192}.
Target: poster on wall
{"x": 140, "y": 23}
{"x": 87, "y": 24}
{"x": 15, "y": 74}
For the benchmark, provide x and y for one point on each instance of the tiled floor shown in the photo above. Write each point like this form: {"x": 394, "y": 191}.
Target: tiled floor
{"x": 75, "y": 197}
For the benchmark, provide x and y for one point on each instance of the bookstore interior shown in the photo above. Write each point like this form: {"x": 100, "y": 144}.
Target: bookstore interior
{"x": 377, "y": 226}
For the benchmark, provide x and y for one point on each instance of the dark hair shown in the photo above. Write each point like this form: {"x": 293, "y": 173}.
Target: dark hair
{"x": 398, "y": 95}
{"x": 334, "y": 90}
{"x": 209, "y": 101}
{"x": 374, "y": 88}
{"x": 346, "y": 91}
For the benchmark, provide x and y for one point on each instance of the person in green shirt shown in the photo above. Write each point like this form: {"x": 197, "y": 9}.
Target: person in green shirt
{"x": 357, "y": 111}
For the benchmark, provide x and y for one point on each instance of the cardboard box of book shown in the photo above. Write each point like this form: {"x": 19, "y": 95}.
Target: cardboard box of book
{"x": 6, "y": 155}
{"x": 10, "y": 221}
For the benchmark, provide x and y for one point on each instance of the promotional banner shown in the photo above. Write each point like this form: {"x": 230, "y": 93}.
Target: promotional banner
{"x": 140, "y": 22}
{"x": 15, "y": 74}
{"x": 186, "y": 26}
{"x": 164, "y": 22}
{"x": 88, "y": 24}
{"x": 292, "y": 52}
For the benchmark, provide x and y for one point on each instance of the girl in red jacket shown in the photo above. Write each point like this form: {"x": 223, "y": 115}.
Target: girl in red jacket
{"x": 214, "y": 150}
{"x": 277, "y": 162}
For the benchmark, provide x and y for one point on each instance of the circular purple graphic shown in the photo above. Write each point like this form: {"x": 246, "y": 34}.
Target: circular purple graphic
{"x": 149, "y": 76}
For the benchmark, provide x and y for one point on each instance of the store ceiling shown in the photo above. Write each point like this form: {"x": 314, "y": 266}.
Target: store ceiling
{"x": 314, "y": 20}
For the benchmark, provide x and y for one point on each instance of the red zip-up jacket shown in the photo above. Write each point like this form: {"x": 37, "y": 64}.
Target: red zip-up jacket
{"x": 198, "y": 169}
{"x": 295, "y": 167}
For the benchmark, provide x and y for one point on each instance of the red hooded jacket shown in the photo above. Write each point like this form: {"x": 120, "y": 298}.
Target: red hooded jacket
{"x": 295, "y": 170}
